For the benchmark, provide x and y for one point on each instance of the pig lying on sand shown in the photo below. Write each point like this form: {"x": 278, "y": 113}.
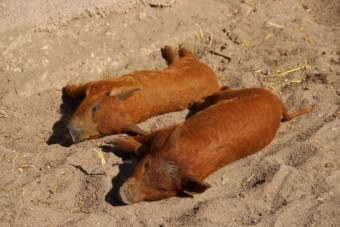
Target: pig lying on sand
{"x": 232, "y": 125}
{"x": 115, "y": 105}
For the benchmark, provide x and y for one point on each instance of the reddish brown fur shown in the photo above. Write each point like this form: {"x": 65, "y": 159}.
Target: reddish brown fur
{"x": 111, "y": 106}
{"x": 233, "y": 124}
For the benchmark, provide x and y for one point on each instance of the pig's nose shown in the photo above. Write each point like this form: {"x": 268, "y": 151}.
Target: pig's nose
{"x": 75, "y": 134}
{"x": 124, "y": 194}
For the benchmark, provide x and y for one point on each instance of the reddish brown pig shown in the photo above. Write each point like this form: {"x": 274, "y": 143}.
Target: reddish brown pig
{"x": 115, "y": 105}
{"x": 235, "y": 123}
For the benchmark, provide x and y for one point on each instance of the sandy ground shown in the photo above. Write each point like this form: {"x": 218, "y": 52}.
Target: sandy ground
{"x": 295, "y": 181}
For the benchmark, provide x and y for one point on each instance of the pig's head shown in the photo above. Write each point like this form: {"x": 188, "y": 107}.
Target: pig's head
{"x": 155, "y": 179}
{"x": 100, "y": 113}
{"x": 158, "y": 176}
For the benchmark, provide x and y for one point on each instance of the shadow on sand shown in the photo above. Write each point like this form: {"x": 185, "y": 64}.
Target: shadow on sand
{"x": 60, "y": 133}
{"x": 125, "y": 170}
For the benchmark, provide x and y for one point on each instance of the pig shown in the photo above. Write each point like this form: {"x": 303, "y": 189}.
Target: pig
{"x": 116, "y": 105}
{"x": 231, "y": 124}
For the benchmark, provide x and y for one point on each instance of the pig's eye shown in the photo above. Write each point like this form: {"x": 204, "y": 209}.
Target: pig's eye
{"x": 95, "y": 108}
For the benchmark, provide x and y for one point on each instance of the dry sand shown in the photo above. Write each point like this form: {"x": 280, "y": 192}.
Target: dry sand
{"x": 295, "y": 181}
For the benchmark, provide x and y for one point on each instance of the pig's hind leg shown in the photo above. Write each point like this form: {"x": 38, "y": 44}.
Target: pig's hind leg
{"x": 169, "y": 55}
{"x": 185, "y": 52}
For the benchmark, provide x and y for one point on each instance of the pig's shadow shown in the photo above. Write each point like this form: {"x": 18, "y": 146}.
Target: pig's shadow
{"x": 60, "y": 133}
{"x": 125, "y": 170}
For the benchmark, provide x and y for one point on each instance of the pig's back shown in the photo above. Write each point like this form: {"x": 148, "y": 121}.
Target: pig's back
{"x": 172, "y": 89}
{"x": 230, "y": 130}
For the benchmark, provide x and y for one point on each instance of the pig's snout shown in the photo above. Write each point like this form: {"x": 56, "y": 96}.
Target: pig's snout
{"x": 125, "y": 194}
{"x": 75, "y": 134}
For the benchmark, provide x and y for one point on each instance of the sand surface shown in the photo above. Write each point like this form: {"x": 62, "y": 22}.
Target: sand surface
{"x": 295, "y": 181}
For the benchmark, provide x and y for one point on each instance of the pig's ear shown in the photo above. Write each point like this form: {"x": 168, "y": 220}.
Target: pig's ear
{"x": 174, "y": 137}
{"x": 123, "y": 93}
{"x": 192, "y": 184}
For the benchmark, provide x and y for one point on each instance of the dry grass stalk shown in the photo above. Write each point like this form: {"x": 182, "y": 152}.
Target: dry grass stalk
{"x": 296, "y": 81}
{"x": 250, "y": 178}
{"x": 271, "y": 24}
{"x": 201, "y": 33}
{"x": 214, "y": 52}
{"x": 23, "y": 166}
{"x": 224, "y": 179}
{"x": 285, "y": 73}
{"x": 247, "y": 45}
{"x": 157, "y": 125}
{"x": 269, "y": 36}
{"x": 3, "y": 114}
{"x": 101, "y": 157}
